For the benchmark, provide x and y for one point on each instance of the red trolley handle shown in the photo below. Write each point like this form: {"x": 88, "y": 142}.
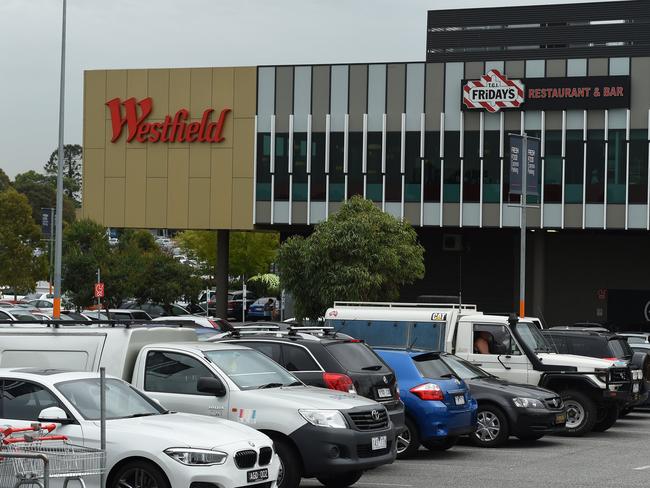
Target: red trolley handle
{"x": 14, "y": 440}
{"x": 32, "y": 428}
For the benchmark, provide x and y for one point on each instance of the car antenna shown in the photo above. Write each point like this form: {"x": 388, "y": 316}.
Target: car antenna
{"x": 412, "y": 344}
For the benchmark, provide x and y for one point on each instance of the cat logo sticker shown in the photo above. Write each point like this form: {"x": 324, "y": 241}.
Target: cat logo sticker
{"x": 439, "y": 316}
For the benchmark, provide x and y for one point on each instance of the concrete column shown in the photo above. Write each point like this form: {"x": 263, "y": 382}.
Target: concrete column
{"x": 539, "y": 274}
{"x": 221, "y": 274}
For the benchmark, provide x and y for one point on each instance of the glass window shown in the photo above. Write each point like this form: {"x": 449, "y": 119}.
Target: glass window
{"x": 374, "y": 178}
{"x": 431, "y": 366}
{"x": 393, "y": 167}
{"x": 412, "y": 167}
{"x": 495, "y": 338}
{"x": 122, "y": 400}
{"x": 299, "y": 167}
{"x": 263, "y": 190}
{"x": 452, "y": 168}
{"x": 595, "y": 166}
{"x": 22, "y": 400}
{"x": 167, "y": 372}
{"x": 357, "y": 357}
{"x": 427, "y": 336}
{"x": 532, "y": 337}
{"x": 251, "y": 370}
{"x": 337, "y": 177}
{"x": 559, "y": 342}
{"x": 269, "y": 349}
{"x": 462, "y": 368}
{"x": 616, "y": 163}
{"x": 491, "y": 167}
{"x": 318, "y": 183}
{"x": 636, "y": 340}
{"x": 574, "y": 166}
{"x": 471, "y": 167}
{"x": 432, "y": 167}
{"x": 281, "y": 187}
{"x": 374, "y": 333}
{"x": 355, "y": 155}
{"x": 639, "y": 166}
{"x": 553, "y": 167}
{"x": 296, "y": 358}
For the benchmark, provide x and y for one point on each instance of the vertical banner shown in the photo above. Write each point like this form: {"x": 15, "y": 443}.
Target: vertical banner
{"x": 518, "y": 162}
{"x": 46, "y": 222}
{"x": 516, "y": 148}
{"x": 532, "y": 163}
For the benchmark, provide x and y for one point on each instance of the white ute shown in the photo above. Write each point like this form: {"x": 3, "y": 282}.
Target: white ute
{"x": 147, "y": 446}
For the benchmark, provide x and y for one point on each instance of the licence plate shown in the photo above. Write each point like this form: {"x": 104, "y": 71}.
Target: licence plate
{"x": 384, "y": 392}
{"x": 379, "y": 442}
{"x": 459, "y": 399}
{"x": 560, "y": 418}
{"x": 635, "y": 388}
{"x": 257, "y": 475}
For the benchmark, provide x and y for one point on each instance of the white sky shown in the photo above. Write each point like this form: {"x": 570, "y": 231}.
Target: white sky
{"x": 181, "y": 33}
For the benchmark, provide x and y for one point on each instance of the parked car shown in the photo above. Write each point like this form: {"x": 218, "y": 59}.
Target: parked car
{"x": 38, "y": 296}
{"x": 155, "y": 309}
{"x": 235, "y": 303}
{"x": 331, "y": 436}
{"x": 127, "y": 314}
{"x": 260, "y": 310}
{"x": 19, "y": 315}
{"x": 508, "y": 409}
{"x": 42, "y": 303}
{"x": 438, "y": 405}
{"x": 205, "y": 327}
{"x": 327, "y": 361}
{"x": 636, "y": 337}
{"x": 203, "y": 451}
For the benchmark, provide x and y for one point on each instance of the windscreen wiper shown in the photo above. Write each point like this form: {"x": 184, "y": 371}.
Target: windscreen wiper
{"x": 376, "y": 367}
{"x": 295, "y": 383}
{"x": 270, "y": 385}
{"x": 143, "y": 414}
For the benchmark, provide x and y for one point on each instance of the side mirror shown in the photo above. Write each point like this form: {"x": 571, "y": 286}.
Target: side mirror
{"x": 54, "y": 415}
{"x": 213, "y": 386}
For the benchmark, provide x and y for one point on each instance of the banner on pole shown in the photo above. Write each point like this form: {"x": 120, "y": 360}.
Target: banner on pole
{"x": 518, "y": 162}
{"x": 46, "y": 222}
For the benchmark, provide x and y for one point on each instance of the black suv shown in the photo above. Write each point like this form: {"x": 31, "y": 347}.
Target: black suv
{"x": 600, "y": 343}
{"x": 320, "y": 357}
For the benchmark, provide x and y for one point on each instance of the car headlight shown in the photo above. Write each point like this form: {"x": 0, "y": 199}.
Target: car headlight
{"x": 196, "y": 457}
{"x": 637, "y": 374}
{"x": 325, "y": 418}
{"x": 527, "y": 403}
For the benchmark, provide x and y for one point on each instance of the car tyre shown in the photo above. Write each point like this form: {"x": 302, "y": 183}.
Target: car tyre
{"x": 408, "y": 441}
{"x": 581, "y": 413}
{"x": 290, "y": 462}
{"x": 492, "y": 429}
{"x": 342, "y": 480}
{"x": 607, "y": 419}
{"x": 138, "y": 473}
{"x": 440, "y": 445}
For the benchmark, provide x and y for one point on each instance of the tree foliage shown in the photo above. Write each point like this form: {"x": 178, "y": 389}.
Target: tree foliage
{"x": 72, "y": 163}
{"x": 40, "y": 191}
{"x": 264, "y": 285}
{"x": 19, "y": 240}
{"x": 5, "y": 182}
{"x": 359, "y": 254}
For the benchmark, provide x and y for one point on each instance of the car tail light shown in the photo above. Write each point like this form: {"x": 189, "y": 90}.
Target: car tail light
{"x": 337, "y": 381}
{"x": 428, "y": 391}
{"x": 214, "y": 324}
{"x": 611, "y": 359}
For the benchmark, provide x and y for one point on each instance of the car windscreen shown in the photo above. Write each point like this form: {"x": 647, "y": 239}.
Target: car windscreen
{"x": 533, "y": 338}
{"x": 431, "y": 366}
{"x": 122, "y": 400}
{"x": 619, "y": 348}
{"x": 462, "y": 368}
{"x": 356, "y": 356}
{"x": 251, "y": 370}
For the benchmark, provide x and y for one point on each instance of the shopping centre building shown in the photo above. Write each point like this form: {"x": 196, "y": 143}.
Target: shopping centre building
{"x": 281, "y": 147}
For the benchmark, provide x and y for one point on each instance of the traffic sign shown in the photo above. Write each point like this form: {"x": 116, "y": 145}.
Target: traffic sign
{"x": 99, "y": 290}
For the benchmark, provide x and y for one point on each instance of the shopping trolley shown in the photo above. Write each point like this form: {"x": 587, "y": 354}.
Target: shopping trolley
{"x": 32, "y": 456}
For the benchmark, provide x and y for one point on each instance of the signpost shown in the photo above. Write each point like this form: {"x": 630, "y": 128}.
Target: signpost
{"x": 99, "y": 293}
{"x": 47, "y": 228}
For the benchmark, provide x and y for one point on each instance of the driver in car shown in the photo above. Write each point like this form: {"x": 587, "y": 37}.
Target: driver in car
{"x": 482, "y": 342}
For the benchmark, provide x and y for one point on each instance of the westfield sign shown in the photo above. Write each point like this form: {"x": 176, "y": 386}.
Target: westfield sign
{"x": 176, "y": 128}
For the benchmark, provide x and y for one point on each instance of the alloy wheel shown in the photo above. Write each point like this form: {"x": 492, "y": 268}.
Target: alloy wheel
{"x": 575, "y": 414}
{"x": 280, "y": 472}
{"x": 137, "y": 478}
{"x": 403, "y": 441}
{"x": 488, "y": 427}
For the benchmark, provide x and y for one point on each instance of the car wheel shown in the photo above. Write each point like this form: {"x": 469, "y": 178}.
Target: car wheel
{"x": 440, "y": 445}
{"x": 289, "y": 473}
{"x": 530, "y": 437}
{"x": 606, "y": 419}
{"x": 580, "y": 412}
{"x": 138, "y": 474}
{"x": 342, "y": 480}
{"x": 492, "y": 428}
{"x": 408, "y": 442}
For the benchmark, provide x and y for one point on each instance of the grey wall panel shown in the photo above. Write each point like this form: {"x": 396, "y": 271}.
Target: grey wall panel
{"x": 320, "y": 98}
{"x": 553, "y": 120}
{"x": 498, "y": 65}
{"x": 263, "y": 212}
{"x": 472, "y": 120}
{"x": 474, "y": 70}
{"x": 552, "y": 215}
{"x": 434, "y": 95}
{"x": 358, "y": 98}
{"x": 339, "y": 98}
{"x": 395, "y": 95}
{"x": 619, "y": 66}
{"x": 616, "y": 216}
{"x": 394, "y": 209}
{"x": 512, "y": 120}
{"x": 573, "y": 216}
{"x": 490, "y": 215}
{"x": 414, "y": 95}
{"x": 596, "y": 119}
{"x": 301, "y": 97}
{"x": 576, "y": 67}
{"x": 594, "y": 216}
{"x": 454, "y": 73}
{"x": 431, "y": 214}
{"x": 535, "y": 68}
{"x": 471, "y": 214}
{"x": 598, "y": 67}
{"x": 533, "y": 218}
{"x": 283, "y": 97}
{"x": 376, "y": 96}
{"x": 318, "y": 212}
{"x": 515, "y": 69}
{"x": 511, "y": 216}
{"x": 412, "y": 213}
{"x": 555, "y": 67}
{"x": 451, "y": 214}
{"x": 533, "y": 120}
{"x": 265, "y": 98}
{"x": 299, "y": 213}
{"x": 281, "y": 213}
{"x": 575, "y": 119}
{"x": 640, "y": 71}
{"x": 638, "y": 217}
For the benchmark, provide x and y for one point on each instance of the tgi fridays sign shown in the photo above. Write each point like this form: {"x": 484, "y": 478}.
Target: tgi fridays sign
{"x": 494, "y": 92}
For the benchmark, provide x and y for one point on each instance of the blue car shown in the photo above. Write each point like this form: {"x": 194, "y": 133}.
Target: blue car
{"x": 438, "y": 404}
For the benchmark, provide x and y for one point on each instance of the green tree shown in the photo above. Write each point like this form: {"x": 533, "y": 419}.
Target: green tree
{"x": 40, "y": 191}
{"x": 264, "y": 285}
{"x": 360, "y": 253}
{"x": 19, "y": 240}
{"x": 5, "y": 182}
{"x": 72, "y": 163}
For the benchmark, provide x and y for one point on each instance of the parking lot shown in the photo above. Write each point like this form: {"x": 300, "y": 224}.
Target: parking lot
{"x": 618, "y": 457}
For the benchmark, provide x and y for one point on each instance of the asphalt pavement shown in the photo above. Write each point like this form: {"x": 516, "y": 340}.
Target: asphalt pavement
{"x": 617, "y": 458}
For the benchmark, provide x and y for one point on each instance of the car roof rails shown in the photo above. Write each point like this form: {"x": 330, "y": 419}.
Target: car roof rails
{"x": 452, "y": 305}
{"x": 295, "y": 329}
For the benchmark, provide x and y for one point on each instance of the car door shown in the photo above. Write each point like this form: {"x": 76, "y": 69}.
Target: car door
{"x": 22, "y": 401}
{"x": 172, "y": 379}
{"x": 504, "y": 357}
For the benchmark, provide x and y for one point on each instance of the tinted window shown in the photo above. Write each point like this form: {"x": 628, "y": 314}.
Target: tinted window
{"x": 270, "y": 349}
{"x": 378, "y": 333}
{"x": 356, "y": 356}
{"x": 636, "y": 340}
{"x": 140, "y": 315}
{"x": 22, "y": 400}
{"x": 498, "y": 338}
{"x": 464, "y": 369}
{"x": 167, "y": 372}
{"x": 120, "y": 315}
{"x": 431, "y": 366}
{"x": 560, "y": 343}
{"x": 595, "y": 347}
{"x": 619, "y": 348}
{"x": 296, "y": 358}
{"x": 427, "y": 335}
{"x": 4, "y": 316}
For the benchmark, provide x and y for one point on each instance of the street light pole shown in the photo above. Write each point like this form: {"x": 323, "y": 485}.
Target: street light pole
{"x": 523, "y": 165}
{"x": 58, "y": 243}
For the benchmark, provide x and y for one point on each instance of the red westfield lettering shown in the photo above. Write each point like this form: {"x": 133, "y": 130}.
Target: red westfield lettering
{"x": 172, "y": 129}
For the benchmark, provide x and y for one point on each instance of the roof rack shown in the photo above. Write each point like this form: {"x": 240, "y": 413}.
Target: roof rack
{"x": 125, "y": 323}
{"x": 256, "y": 327}
{"x": 295, "y": 329}
{"x": 456, "y": 306}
